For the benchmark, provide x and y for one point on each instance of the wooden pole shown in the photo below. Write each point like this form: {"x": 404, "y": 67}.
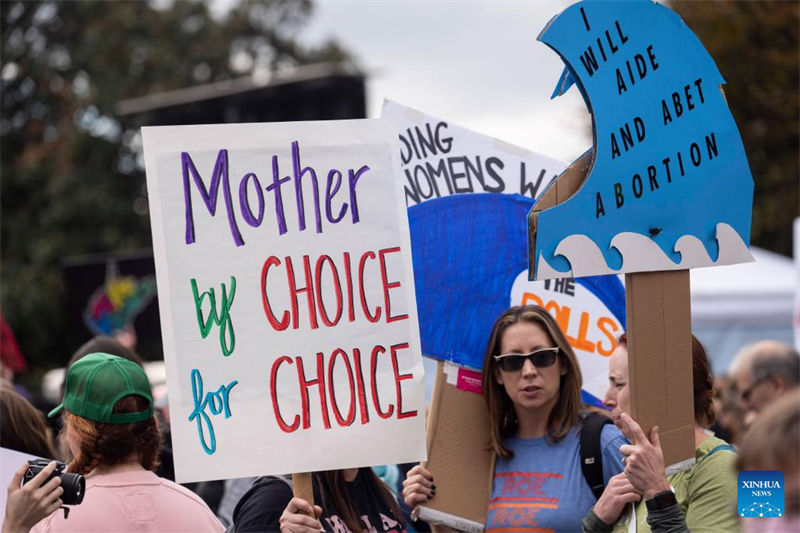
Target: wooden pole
{"x": 303, "y": 487}
{"x": 659, "y": 330}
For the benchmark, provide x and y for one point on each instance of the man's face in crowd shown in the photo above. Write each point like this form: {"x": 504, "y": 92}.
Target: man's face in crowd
{"x": 756, "y": 394}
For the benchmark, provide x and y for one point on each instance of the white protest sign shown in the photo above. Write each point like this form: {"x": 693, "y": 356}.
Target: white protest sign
{"x": 286, "y": 294}
{"x": 441, "y": 158}
{"x": 10, "y": 462}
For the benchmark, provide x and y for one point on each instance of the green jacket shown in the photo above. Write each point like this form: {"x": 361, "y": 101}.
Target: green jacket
{"x": 706, "y": 495}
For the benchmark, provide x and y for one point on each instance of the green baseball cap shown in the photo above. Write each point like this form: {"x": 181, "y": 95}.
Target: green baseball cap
{"x": 97, "y": 381}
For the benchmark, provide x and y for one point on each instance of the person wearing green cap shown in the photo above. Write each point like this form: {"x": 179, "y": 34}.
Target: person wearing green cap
{"x": 110, "y": 428}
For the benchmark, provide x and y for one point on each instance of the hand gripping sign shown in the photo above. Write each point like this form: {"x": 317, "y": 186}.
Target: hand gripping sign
{"x": 666, "y": 187}
{"x": 287, "y": 297}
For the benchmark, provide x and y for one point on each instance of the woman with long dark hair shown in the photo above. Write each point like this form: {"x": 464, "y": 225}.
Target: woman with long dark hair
{"x": 353, "y": 499}
{"x": 532, "y": 389}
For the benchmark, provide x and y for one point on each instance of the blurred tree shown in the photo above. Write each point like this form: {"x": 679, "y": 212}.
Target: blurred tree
{"x": 756, "y": 46}
{"x": 72, "y": 176}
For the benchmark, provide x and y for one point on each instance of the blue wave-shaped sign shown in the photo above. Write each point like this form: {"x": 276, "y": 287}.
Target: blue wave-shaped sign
{"x": 669, "y": 186}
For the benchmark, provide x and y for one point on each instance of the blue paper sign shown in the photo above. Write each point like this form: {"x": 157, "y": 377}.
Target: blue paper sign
{"x": 468, "y": 251}
{"x": 669, "y": 186}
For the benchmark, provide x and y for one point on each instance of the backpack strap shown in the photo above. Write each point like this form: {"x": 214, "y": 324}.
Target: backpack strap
{"x": 718, "y": 448}
{"x": 592, "y": 451}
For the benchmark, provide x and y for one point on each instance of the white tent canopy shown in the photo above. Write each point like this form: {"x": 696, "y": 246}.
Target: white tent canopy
{"x": 739, "y": 304}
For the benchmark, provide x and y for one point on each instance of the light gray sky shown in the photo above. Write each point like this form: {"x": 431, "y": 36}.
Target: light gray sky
{"x": 476, "y": 63}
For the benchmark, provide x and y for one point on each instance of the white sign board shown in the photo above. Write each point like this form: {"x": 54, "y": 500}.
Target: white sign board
{"x": 10, "y": 462}
{"x": 286, "y": 293}
{"x": 441, "y": 159}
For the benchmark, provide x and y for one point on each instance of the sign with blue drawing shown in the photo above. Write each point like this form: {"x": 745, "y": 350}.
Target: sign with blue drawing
{"x": 760, "y": 494}
{"x": 668, "y": 185}
{"x": 469, "y": 248}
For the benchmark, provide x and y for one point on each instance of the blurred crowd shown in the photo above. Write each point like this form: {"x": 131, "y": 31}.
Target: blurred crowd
{"x": 113, "y": 428}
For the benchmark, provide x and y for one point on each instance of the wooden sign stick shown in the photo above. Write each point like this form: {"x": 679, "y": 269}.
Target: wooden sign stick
{"x": 303, "y": 487}
{"x": 659, "y": 330}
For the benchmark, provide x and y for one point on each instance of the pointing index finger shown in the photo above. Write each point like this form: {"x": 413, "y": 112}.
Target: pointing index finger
{"x": 636, "y": 430}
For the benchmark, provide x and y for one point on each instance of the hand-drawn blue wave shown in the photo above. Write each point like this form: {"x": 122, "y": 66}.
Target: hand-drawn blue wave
{"x": 467, "y": 251}
{"x": 671, "y": 195}
{"x": 639, "y": 252}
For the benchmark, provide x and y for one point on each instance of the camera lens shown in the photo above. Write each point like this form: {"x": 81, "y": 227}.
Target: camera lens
{"x": 74, "y": 486}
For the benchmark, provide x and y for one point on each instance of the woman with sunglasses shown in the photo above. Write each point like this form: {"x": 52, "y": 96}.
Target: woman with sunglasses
{"x": 532, "y": 388}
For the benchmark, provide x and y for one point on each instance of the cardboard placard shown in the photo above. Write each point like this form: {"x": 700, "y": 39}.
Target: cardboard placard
{"x": 669, "y": 186}
{"x": 463, "y": 494}
{"x": 287, "y": 297}
{"x": 661, "y": 385}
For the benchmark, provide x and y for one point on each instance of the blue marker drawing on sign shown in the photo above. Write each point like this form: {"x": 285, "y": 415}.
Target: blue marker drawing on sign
{"x": 467, "y": 251}
{"x": 669, "y": 185}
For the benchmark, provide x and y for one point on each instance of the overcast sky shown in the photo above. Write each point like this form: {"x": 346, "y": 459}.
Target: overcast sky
{"x": 475, "y": 63}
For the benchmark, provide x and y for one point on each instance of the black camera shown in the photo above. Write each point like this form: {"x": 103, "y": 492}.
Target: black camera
{"x": 74, "y": 485}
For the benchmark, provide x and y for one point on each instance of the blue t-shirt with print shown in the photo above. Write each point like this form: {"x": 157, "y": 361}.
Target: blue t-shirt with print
{"x": 542, "y": 487}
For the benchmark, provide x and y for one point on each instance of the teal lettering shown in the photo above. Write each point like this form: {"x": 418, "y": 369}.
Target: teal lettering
{"x": 218, "y": 402}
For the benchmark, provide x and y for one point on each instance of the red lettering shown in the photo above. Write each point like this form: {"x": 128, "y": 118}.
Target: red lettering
{"x": 293, "y": 291}
{"x": 351, "y": 315}
{"x": 362, "y": 393}
{"x": 319, "y": 382}
{"x": 387, "y": 285}
{"x": 508, "y": 486}
{"x": 273, "y": 382}
{"x": 283, "y": 323}
{"x": 398, "y": 377}
{"x": 373, "y": 364}
{"x": 361, "y": 263}
{"x": 351, "y": 414}
{"x": 323, "y": 313}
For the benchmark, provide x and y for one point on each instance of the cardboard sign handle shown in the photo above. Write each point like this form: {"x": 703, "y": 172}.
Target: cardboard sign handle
{"x": 303, "y": 487}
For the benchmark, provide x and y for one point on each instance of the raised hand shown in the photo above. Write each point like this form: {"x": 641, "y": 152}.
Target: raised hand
{"x": 644, "y": 460}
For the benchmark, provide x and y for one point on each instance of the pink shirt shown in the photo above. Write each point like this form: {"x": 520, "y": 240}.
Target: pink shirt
{"x": 133, "y": 501}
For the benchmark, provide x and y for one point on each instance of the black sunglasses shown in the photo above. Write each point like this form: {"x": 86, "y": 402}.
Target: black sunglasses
{"x": 540, "y": 358}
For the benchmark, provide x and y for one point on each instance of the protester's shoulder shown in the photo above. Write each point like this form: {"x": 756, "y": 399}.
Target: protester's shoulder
{"x": 173, "y": 495}
{"x": 261, "y": 506}
{"x": 611, "y": 436}
{"x": 179, "y": 492}
{"x": 270, "y": 488}
{"x": 714, "y": 457}
{"x": 714, "y": 453}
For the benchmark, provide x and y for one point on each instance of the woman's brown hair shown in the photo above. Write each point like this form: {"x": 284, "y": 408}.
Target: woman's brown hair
{"x": 503, "y": 417}
{"x": 22, "y": 427}
{"x": 702, "y": 383}
{"x": 104, "y": 444}
{"x": 334, "y": 487}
